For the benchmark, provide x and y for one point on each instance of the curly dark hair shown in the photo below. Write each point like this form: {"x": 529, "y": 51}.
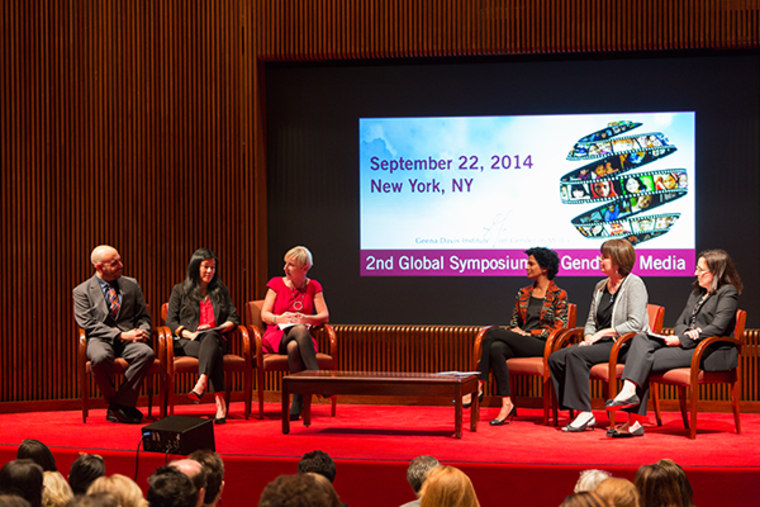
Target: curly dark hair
{"x": 318, "y": 462}
{"x": 546, "y": 258}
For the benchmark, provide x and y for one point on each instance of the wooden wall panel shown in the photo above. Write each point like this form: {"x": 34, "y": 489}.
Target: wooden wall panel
{"x": 340, "y": 29}
{"x": 141, "y": 124}
{"x": 124, "y": 121}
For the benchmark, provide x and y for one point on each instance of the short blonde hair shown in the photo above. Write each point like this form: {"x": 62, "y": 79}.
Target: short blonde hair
{"x": 618, "y": 492}
{"x": 126, "y": 491}
{"x": 57, "y": 491}
{"x": 447, "y": 486}
{"x": 301, "y": 255}
{"x": 590, "y": 479}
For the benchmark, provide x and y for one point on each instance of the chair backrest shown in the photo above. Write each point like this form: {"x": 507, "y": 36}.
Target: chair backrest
{"x": 656, "y": 317}
{"x": 253, "y": 313}
{"x": 164, "y": 310}
{"x": 572, "y": 315}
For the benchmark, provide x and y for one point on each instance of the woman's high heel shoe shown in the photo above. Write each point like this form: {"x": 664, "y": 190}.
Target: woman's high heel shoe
{"x": 195, "y": 396}
{"x": 507, "y": 420}
{"x": 589, "y": 424}
{"x": 481, "y": 395}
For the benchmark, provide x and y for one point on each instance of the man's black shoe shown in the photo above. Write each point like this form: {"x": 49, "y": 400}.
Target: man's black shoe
{"x": 111, "y": 415}
{"x": 134, "y": 414}
{"x": 122, "y": 414}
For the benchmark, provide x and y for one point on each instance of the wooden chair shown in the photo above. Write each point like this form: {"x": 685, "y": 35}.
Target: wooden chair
{"x": 613, "y": 370}
{"x": 84, "y": 368}
{"x": 694, "y": 376}
{"x": 239, "y": 359}
{"x": 533, "y": 366}
{"x": 279, "y": 362}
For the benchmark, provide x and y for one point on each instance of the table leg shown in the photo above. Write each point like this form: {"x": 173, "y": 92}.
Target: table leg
{"x": 306, "y": 409}
{"x": 285, "y": 411}
{"x": 474, "y": 410}
{"x": 458, "y": 412}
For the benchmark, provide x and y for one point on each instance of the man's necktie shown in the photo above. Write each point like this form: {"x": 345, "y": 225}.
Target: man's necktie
{"x": 113, "y": 298}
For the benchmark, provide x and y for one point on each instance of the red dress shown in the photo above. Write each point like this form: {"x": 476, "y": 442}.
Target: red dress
{"x": 288, "y": 300}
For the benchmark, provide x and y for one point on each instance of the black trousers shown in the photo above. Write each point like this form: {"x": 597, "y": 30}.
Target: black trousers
{"x": 500, "y": 344}
{"x": 209, "y": 348}
{"x": 101, "y": 354}
{"x": 570, "y": 368}
{"x": 646, "y": 355}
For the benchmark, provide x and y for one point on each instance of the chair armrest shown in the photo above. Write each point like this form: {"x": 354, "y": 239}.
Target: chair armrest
{"x": 166, "y": 349}
{"x": 615, "y": 353}
{"x": 241, "y": 333}
{"x": 552, "y": 340}
{"x": 159, "y": 343}
{"x": 333, "y": 337}
{"x": 258, "y": 349}
{"x": 477, "y": 346}
{"x": 696, "y": 359}
{"x": 81, "y": 349}
{"x": 568, "y": 337}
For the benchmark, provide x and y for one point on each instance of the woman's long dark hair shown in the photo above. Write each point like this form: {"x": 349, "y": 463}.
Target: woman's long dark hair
{"x": 192, "y": 283}
{"x": 723, "y": 270}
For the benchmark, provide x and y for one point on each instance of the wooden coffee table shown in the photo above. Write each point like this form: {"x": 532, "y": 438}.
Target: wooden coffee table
{"x": 332, "y": 382}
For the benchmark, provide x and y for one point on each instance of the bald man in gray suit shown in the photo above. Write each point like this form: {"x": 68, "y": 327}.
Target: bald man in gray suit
{"x": 112, "y": 311}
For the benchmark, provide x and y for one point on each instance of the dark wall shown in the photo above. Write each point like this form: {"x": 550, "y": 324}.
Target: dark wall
{"x": 312, "y": 147}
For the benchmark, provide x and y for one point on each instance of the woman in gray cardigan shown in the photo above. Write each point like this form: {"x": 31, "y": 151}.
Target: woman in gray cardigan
{"x": 618, "y": 306}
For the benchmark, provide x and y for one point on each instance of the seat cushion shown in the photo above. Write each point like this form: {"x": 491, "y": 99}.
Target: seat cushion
{"x": 682, "y": 377}
{"x": 234, "y": 362}
{"x": 526, "y": 366}
{"x": 274, "y": 362}
{"x": 601, "y": 371}
{"x": 185, "y": 363}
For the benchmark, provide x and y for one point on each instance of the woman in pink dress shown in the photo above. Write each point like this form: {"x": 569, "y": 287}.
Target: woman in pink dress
{"x": 293, "y": 304}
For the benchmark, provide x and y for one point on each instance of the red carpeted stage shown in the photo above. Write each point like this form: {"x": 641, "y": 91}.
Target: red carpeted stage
{"x": 525, "y": 463}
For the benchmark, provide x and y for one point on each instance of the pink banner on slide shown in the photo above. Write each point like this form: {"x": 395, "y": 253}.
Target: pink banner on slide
{"x": 513, "y": 262}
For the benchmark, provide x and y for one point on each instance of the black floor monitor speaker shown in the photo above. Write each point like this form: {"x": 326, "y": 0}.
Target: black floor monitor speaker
{"x": 178, "y": 434}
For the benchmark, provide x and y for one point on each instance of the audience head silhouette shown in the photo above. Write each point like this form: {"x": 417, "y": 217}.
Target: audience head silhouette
{"x": 85, "y": 469}
{"x": 22, "y": 477}
{"x": 447, "y": 486}
{"x": 318, "y": 462}
{"x": 299, "y": 490}
{"x": 38, "y": 452}
{"x": 168, "y": 487}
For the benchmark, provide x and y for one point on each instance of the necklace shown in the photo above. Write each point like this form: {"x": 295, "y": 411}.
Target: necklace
{"x": 298, "y": 294}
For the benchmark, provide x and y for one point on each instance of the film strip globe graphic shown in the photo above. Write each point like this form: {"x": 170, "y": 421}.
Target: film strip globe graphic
{"x": 622, "y": 197}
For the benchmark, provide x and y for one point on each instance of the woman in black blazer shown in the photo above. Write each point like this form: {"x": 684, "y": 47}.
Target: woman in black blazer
{"x": 200, "y": 312}
{"x": 709, "y": 311}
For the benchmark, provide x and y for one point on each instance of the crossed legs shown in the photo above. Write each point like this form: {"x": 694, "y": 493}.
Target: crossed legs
{"x": 299, "y": 347}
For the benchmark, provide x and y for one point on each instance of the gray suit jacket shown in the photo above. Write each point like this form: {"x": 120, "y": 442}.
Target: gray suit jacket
{"x": 716, "y": 317}
{"x": 92, "y": 315}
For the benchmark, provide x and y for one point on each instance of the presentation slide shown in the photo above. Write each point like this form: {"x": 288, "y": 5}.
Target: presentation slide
{"x": 466, "y": 196}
